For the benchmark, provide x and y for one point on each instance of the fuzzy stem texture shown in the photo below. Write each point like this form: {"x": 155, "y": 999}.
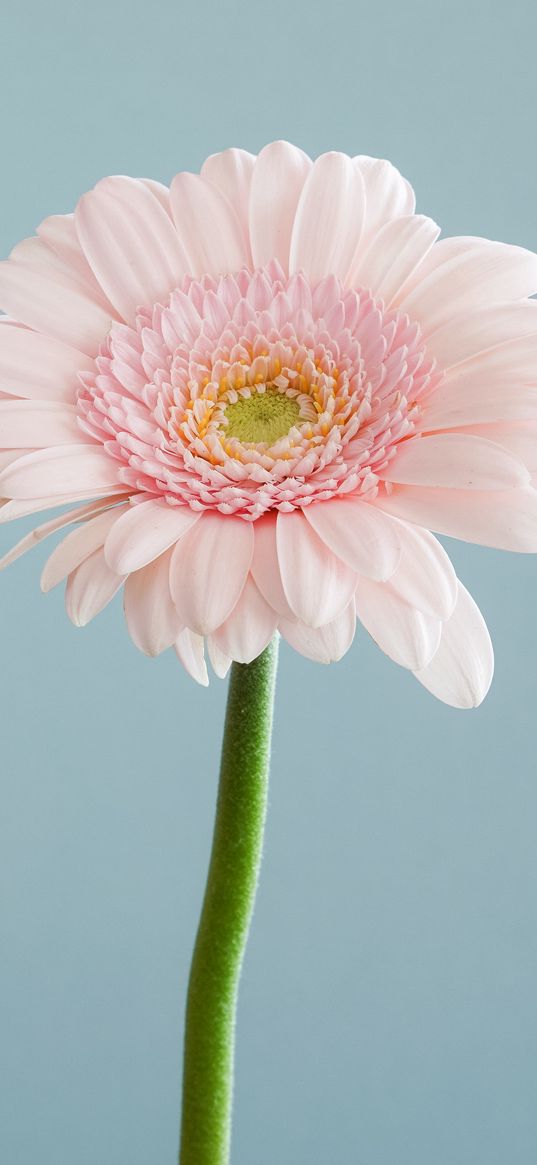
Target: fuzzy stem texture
{"x": 226, "y": 914}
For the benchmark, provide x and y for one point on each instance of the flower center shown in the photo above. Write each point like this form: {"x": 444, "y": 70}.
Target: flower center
{"x": 261, "y": 418}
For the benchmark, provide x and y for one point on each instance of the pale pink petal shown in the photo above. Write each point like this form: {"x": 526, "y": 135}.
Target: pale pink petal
{"x": 130, "y": 244}
{"x": 425, "y": 577}
{"x": 34, "y": 424}
{"x": 328, "y": 219}
{"x": 61, "y": 470}
{"x": 144, "y": 532}
{"x": 500, "y": 384}
{"x": 473, "y": 332}
{"x": 455, "y": 461}
{"x": 466, "y": 273}
{"x": 58, "y": 232}
{"x": 78, "y": 545}
{"x": 407, "y": 635}
{"x": 90, "y": 588}
{"x": 318, "y": 585}
{"x": 279, "y": 175}
{"x": 8, "y": 456}
{"x": 506, "y": 520}
{"x": 10, "y": 510}
{"x": 150, "y": 612}
{"x": 392, "y": 255}
{"x": 266, "y": 568}
{"x": 54, "y": 303}
{"x": 325, "y": 644}
{"x": 209, "y": 568}
{"x": 161, "y": 192}
{"x": 388, "y": 194}
{"x": 231, "y": 171}
{"x": 249, "y": 628}
{"x": 519, "y": 437}
{"x": 36, "y": 366}
{"x": 350, "y": 527}
{"x": 47, "y": 528}
{"x": 208, "y": 227}
{"x": 190, "y": 651}
{"x": 220, "y": 662}
{"x": 460, "y": 673}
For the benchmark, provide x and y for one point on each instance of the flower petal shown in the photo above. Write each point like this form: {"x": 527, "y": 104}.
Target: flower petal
{"x": 208, "y": 570}
{"x": 497, "y": 385}
{"x": 61, "y": 471}
{"x": 35, "y": 424}
{"x": 279, "y": 175}
{"x": 392, "y": 255}
{"x": 231, "y": 171}
{"x": 408, "y": 636}
{"x": 325, "y": 644}
{"x": 519, "y": 437}
{"x": 54, "y": 303}
{"x": 350, "y": 528}
{"x": 208, "y": 228}
{"x": 425, "y": 577}
{"x": 266, "y": 568}
{"x": 39, "y": 367}
{"x": 190, "y": 651}
{"x": 249, "y": 628}
{"x": 455, "y": 461}
{"x": 90, "y": 588}
{"x": 388, "y": 194}
{"x": 506, "y": 519}
{"x": 328, "y": 219}
{"x": 150, "y": 612}
{"x": 130, "y": 244}
{"x": 78, "y": 545}
{"x": 473, "y": 332}
{"x": 220, "y": 662}
{"x": 144, "y": 532}
{"x": 41, "y": 532}
{"x": 460, "y": 673}
{"x": 466, "y": 273}
{"x": 318, "y": 585}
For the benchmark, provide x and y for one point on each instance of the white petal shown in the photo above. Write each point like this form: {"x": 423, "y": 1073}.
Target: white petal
{"x": 265, "y": 565}
{"x": 350, "y": 528}
{"x": 77, "y": 546}
{"x": 279, "y": 175}
{"x": 460, "y": 672}
{"x": 454, "y": 461}
{"x": 500, "y": 384}
{"x": 318, "y": 585}
{"x": 408, "y": 636}
{"x": 209, "y": 568}
{"x": 328, "y": 219}
{"x": 151, "y": 616}
{"x": 208, "y": 228}
{"x": 190, "y": 651}
{"x": 519, "y": 437}
{"x": 130, "y": 244}
{"x": 144, "y": 532}
{"x": 325, "y": 644}
{"x": 392, "y": 255}
{"x": 90, "y": 588}
{"x": 506, "y": 519}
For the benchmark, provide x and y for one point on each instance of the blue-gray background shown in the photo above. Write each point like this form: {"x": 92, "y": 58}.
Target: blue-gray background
{"x": 388, "y": 1009}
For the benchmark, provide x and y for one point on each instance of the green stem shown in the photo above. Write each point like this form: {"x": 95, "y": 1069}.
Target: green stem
{"x": 227, "y": 910}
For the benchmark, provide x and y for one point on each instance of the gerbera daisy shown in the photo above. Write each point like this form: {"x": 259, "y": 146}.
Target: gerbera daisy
{"x": 262, "y": 388}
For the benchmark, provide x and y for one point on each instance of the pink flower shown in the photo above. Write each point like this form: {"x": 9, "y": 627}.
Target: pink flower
{"x": 271, "y": 381}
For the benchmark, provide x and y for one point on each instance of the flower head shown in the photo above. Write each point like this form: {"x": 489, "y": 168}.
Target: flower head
{"x": 262, "y": 388}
